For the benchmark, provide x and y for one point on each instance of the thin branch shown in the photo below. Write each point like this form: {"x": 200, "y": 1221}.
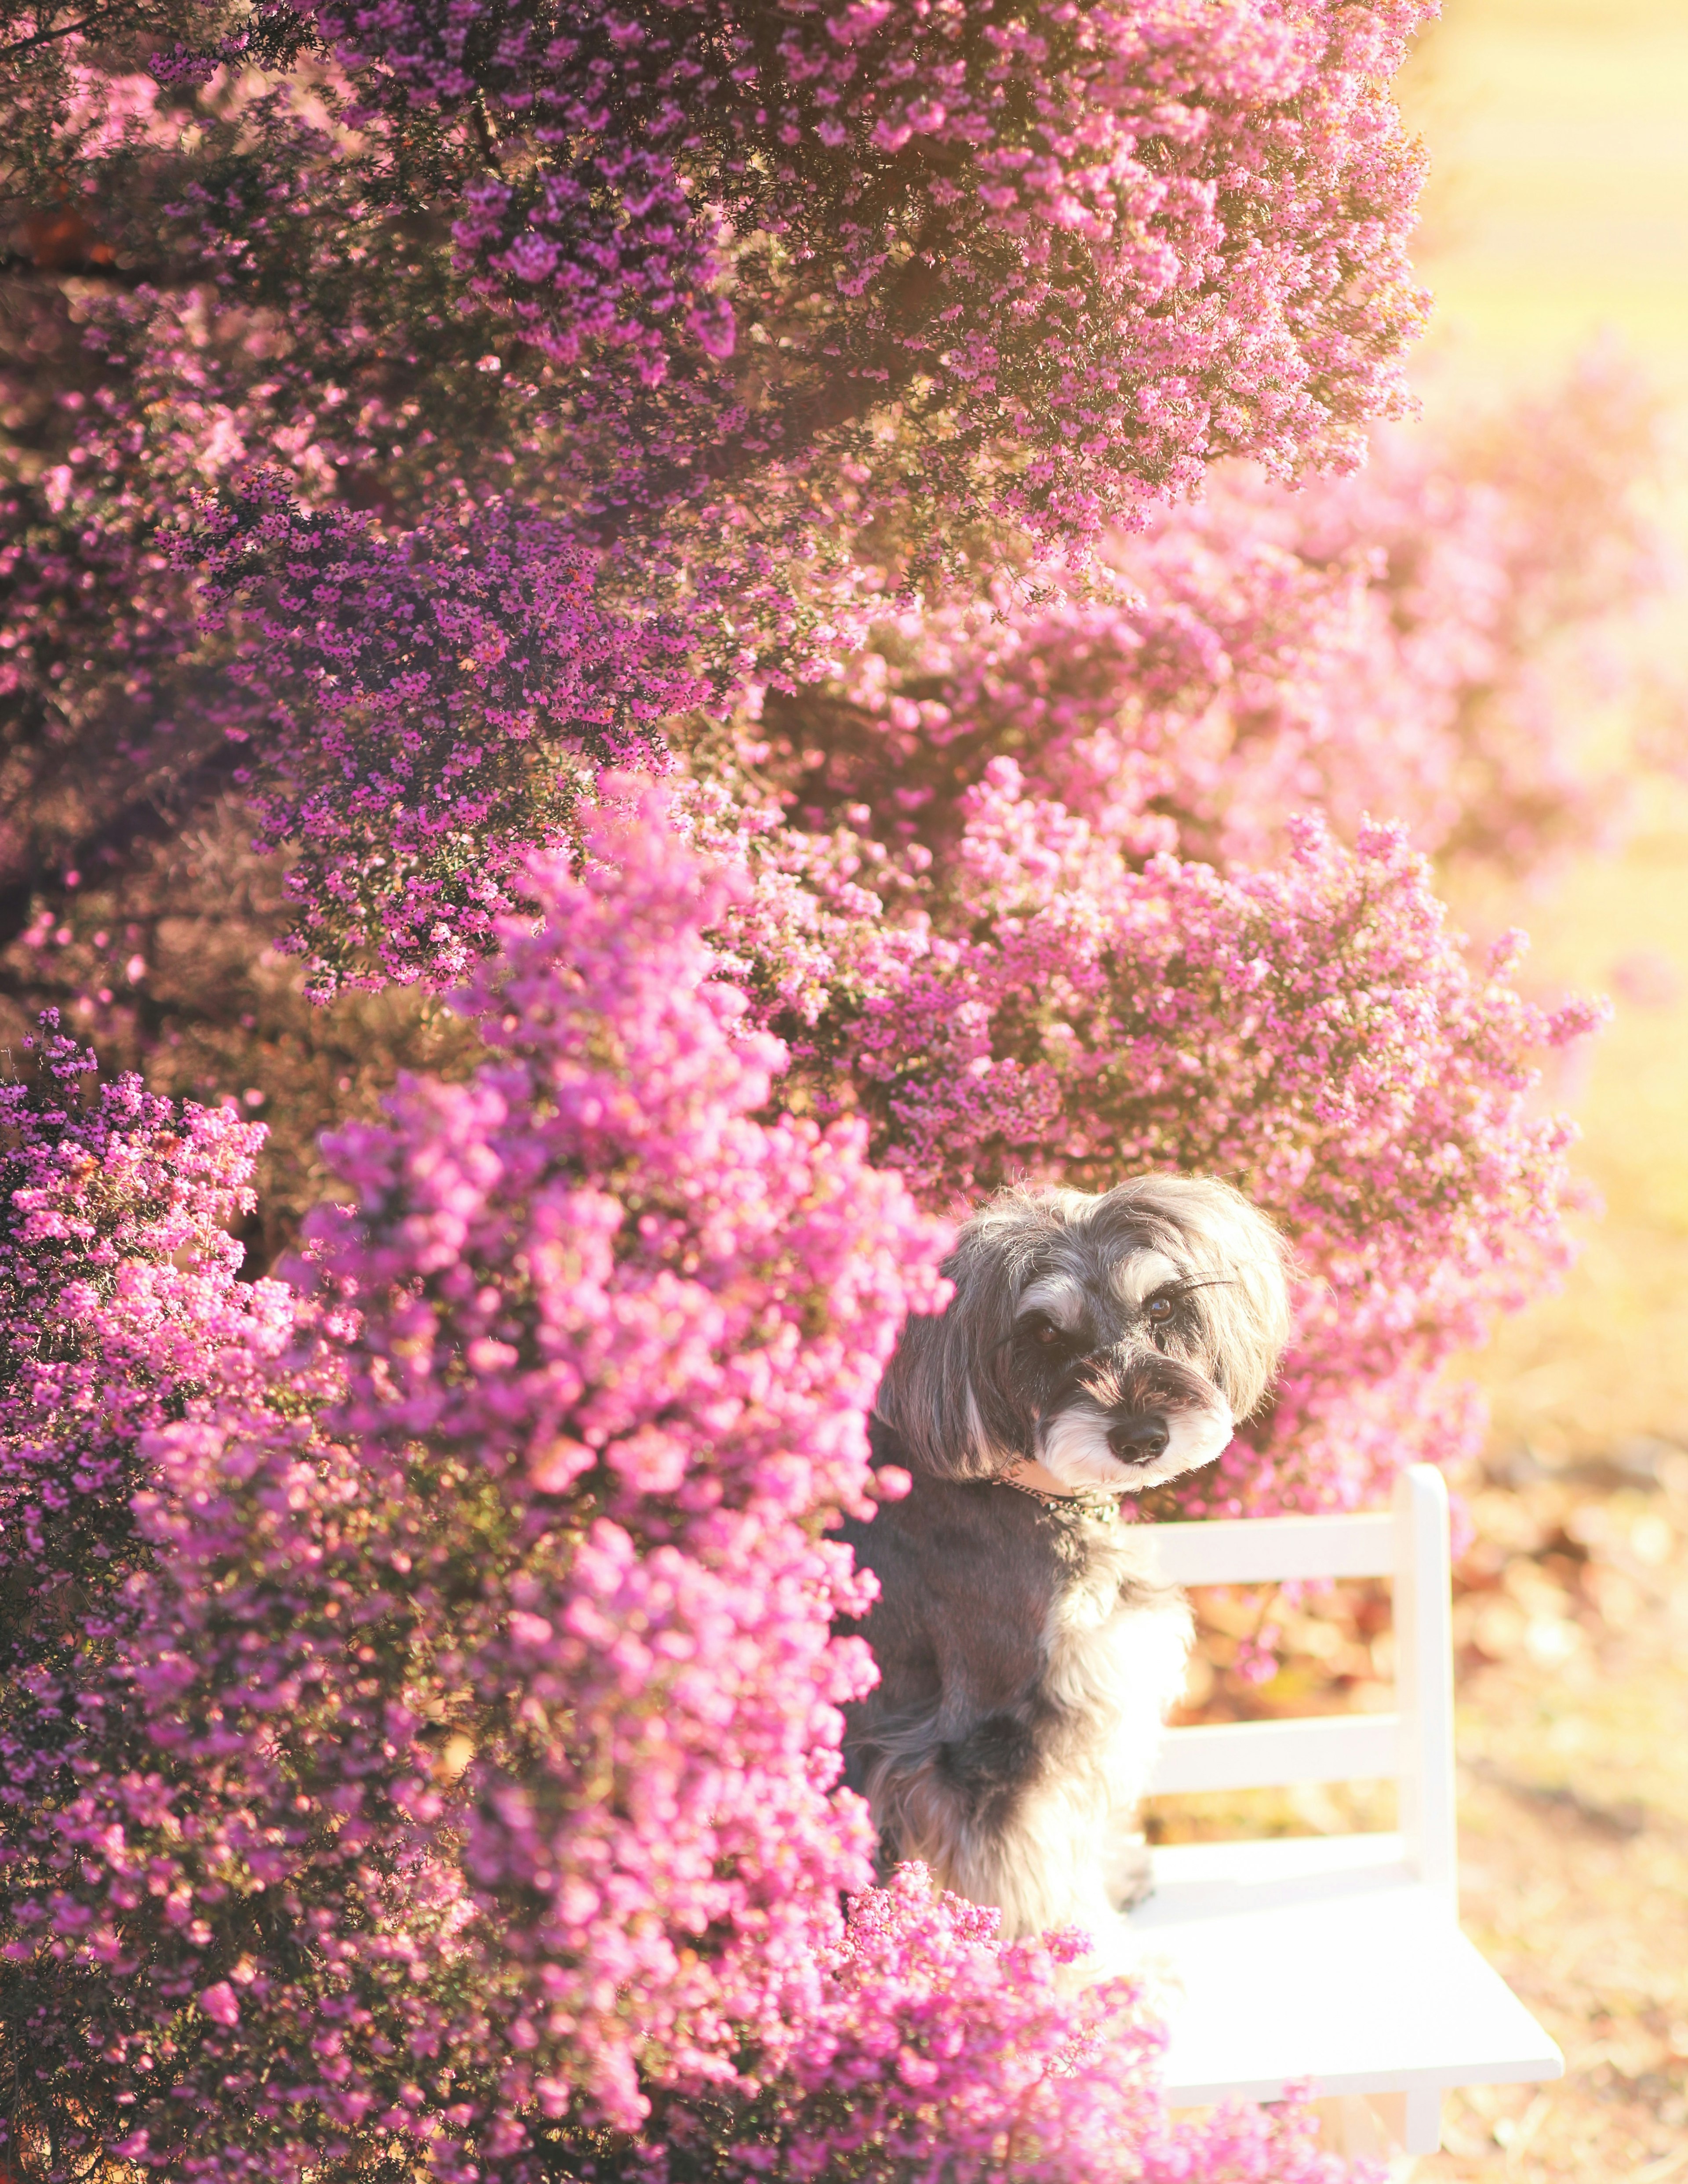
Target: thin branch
{"x": 483, "y": 133}
{"x": 48, "y": 37}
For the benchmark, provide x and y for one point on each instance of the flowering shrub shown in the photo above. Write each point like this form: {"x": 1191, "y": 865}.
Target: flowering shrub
{"x": 1082, "y": 254}
{"x": 590, "y": 1354}
{"x": 455, "y": 1778}
{"x": 1073, "y": 258}
{"x": 754, "y": 337}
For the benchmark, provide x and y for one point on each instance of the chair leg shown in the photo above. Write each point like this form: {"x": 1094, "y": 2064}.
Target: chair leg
{"x": 1409, "y": 2123}
{"x": 1424, "y": 2119}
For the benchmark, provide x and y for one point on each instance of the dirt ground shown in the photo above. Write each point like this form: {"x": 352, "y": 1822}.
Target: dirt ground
{"x": 1573, "y": 1629}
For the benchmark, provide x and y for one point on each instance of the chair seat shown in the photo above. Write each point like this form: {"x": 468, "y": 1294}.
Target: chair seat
{"x": 1324, "y": 1958}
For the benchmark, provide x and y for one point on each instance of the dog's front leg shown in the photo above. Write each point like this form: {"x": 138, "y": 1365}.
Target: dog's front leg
{"x": 1150, "y": 1643}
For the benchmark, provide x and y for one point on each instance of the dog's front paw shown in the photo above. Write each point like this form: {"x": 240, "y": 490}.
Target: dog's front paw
{"x": 1130, "y": 1873}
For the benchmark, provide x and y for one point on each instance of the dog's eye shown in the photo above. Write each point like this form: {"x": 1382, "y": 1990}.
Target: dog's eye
{"x": 1044, "y": 1333}
{"x": 1159, "y": 1310}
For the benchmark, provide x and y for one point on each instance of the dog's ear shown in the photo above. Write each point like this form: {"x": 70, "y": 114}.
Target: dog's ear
{"x": 1244, "y": 1315}
{"x": 948, "y": 1391}
{"x": 1250, "y": 1312}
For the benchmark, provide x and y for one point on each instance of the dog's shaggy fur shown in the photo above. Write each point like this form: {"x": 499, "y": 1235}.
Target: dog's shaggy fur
{"x": 1028, "y": 1651}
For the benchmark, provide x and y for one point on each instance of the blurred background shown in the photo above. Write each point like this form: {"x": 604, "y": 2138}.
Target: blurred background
{"x": 1556, "y": 224}
{"x": 1558, "y": 217}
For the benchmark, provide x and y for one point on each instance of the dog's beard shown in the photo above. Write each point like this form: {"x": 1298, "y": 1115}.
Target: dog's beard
{"x": 1072, "y": 1446}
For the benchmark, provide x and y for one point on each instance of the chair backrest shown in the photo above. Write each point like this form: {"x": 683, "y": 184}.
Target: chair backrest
{"x": 1408, "y": 1544}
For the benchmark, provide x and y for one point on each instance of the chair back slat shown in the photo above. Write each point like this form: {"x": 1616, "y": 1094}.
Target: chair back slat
{"x": 1262, "y": 1550}
{"x": 1257, "y": 1755}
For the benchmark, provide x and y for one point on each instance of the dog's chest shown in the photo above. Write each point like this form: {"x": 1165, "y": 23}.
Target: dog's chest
{"x": 1115, "y": 1634}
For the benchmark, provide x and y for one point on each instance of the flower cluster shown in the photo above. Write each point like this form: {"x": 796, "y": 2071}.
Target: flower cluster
{"x": 1082, "y": 253}
{"x": 418, "y": 704}
{"x": 937, "y": 2049}
{"x": 118, "y": 1288}
{"x": 1424, "y": 641}
{"x": 671, "y": 1318}
{"x": 121, "y": 1314}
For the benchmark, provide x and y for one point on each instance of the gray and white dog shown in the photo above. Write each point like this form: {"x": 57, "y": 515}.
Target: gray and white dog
{"x": 1028, "y": 1651}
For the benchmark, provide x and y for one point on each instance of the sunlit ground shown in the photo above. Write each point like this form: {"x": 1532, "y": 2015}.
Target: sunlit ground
{"x": 1558, "y": 214}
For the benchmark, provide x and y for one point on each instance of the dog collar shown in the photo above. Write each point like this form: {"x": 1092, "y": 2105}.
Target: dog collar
{"x": 1079, "y": 1504}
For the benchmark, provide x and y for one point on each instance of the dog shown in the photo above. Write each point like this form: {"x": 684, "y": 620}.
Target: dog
{"x": 1094, "y": 1346}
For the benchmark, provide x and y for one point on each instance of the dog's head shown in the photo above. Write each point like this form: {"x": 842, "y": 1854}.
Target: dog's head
{"x": 1115, "y": 1339}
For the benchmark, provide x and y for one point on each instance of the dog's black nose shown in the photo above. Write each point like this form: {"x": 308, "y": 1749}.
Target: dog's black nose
{"x": 1139, "y": 1440}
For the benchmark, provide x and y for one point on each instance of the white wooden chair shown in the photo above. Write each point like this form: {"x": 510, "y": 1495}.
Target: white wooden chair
{"x": 1334, "y": 1958}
